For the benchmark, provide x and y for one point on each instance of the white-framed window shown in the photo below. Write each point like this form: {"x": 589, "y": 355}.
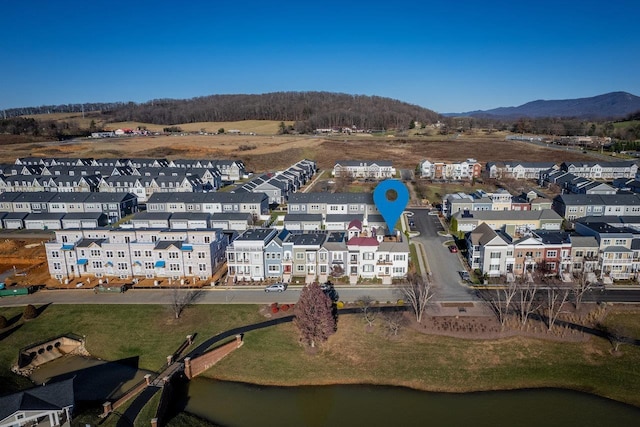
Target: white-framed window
{"x": 552, "y": 254}
{"x": 273, "y": 268}
{"x": 368, "y": 256}
{"x": 367, "y": 268}
{"x": 174, "y": 267}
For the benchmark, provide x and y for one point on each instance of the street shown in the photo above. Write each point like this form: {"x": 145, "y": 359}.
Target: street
{"x": 443, "y": 264}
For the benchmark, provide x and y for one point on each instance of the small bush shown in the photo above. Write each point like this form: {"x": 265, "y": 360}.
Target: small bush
{"x": 284, "y": 307}
{"x": 400, "y": 302}
{"x": 340, "y": 304}
{"x": 247, "y": 147}
{"x": 30, "y": 312}
{"x": 274, "y": 304}
{"x": 3, "y": 322}
{"x": 274, "y": 310}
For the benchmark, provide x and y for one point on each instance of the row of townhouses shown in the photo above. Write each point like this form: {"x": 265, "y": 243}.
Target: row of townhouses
{"x": 280, "y": 185}
{"x": 591, "y": 170}
{"x": 450, "y": 171}
{"x": 574, "y": 206}
{"x": 600, "y": 248}
{"x": 500, "y": 200}
{"x": 316, "y": 256}
{"x": 379, "y": 169}
{"x": 231, "y": 170}
{"x": 571, "y": 183}
{"x": 149, "y": 253}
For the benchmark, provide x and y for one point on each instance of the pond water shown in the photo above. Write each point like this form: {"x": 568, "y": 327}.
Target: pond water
{"x": 235, "y": 404}
{"x": 96, "y": 380}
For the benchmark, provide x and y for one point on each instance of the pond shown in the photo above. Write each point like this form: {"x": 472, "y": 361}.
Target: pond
{"x": 235, "y": 404}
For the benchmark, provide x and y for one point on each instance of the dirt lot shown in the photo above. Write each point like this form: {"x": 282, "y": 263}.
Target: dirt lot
{"x": 262, "y": 153}
{"x": 27, "y": 256}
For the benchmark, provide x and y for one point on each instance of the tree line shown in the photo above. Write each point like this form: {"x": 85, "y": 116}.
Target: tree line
{"x": 309, "y": 110}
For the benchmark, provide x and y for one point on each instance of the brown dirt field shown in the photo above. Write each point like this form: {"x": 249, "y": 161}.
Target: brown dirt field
{"x": 276, "y": 152}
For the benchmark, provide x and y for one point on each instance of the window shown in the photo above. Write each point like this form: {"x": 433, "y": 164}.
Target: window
{"x": 552, "y": 254}
{"x": 137, "y": 253}
{"x": 620, "y": 242}
{"x": 96, "y": 253}
{"x": 207, "y": 239}
{"x": 274, "y": 268}
{"x": 122, "y": 266}
{"x": 399, "y": 257}
{"x": 147, "y": 253}
{"x": 148, "y": 266}
{"x": 202, "y": 267}
{"x": 96, "y": 264}
{"x": 56, "y": 266}
{"x": 398, "y": 270}
{"x": 300, "y": 256}
{"x": 368, "y": 256}
{"x": 174, "y": 267}
{"x": 367, "y": 268}
{"x": 579, "y": 253}
{"x": 55, "y": 254}
{"x": 108, "y": 254}
{"x": 173, "y": 255}
{"x": 120, "y": 254}
{"x": 495, "y": 255}
{"x": 300, "y": 268}
{"x": 606, "y": 242}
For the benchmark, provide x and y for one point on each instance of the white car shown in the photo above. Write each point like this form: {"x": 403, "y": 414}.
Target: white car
{"x": 276, "y": 287}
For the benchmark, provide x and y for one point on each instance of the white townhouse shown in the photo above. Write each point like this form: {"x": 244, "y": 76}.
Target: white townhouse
{"x": 145, "y": 253}
{"x": 518, "y": 170}
{"x": 379, "y": 169}
{"x": 245, "y": 255}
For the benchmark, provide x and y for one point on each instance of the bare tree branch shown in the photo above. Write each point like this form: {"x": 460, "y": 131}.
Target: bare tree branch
{"x": 418, "y": 293}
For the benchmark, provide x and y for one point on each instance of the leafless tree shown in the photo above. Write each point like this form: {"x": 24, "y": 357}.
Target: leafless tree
{"x": 369, "y": 310}
{"x": 554, "y": 304}
{"x": 501, "y": 301}
{"x": 528, "y": 301}
{"x": 182, "y": 298}
{"x": 418, "y": 293}
{"x": 393, "y": 321}
{"x": 615, "y": 334}
{"x": 581, "y": 286}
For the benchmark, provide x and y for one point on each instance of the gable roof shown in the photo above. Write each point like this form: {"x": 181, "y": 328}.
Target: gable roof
{"x": 49, "y": 397}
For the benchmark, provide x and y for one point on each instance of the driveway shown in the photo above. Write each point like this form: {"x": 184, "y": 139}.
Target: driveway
{"x": 443, "y": 264}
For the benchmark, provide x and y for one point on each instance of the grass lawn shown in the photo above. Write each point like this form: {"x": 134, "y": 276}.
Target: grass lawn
{"x": 352, "y": 355}
{"x": 273, "y": 357}
{"x": 115, "y": 332}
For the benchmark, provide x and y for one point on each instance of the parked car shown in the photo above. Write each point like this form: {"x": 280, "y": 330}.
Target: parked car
{"x": 453, "y": 249}
{"x": 465, "y": 276}
{"x": 276, "y": 287}
{"x": 412, "y": 223}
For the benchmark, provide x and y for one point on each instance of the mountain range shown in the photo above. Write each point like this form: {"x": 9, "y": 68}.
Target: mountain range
{"x": 608, "y": 106}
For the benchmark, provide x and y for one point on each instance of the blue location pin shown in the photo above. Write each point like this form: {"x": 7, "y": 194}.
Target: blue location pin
{"x": 391, "y": 197}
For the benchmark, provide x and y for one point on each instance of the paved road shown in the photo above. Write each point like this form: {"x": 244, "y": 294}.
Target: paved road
{"x": 443, "y": 264}
{"x": 208, "y": 296}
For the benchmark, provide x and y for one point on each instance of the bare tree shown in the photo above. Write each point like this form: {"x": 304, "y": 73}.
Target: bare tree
{"x": 500, "y": 301}
{"x": 181, "y": 299}
{"x": 369, "y": 310}
{"x": 394, "y": 320}
{"x": 581, "y": 286}
{"x": 556, "y": 298}
{"x": 528, "y": 300}
{"x": 418, "y": 293}
{"x": 315, "y": 317}
{"x": 616, "y": 335}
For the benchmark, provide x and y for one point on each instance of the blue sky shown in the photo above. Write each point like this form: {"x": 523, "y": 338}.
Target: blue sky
{"x": 446, "y": 56}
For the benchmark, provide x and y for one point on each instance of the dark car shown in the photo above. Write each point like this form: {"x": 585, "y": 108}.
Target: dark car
{"x": 453, "y": 249}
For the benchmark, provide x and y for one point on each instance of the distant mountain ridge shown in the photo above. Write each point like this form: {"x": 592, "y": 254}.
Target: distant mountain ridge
{"x": 608, "y": 106}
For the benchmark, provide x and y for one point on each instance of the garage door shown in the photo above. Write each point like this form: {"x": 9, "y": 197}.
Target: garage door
{"x": 88, "y": 224}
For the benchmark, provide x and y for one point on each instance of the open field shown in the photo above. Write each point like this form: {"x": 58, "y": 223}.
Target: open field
{"x": 276, "y": 152}
{"x": 353, "y": 355}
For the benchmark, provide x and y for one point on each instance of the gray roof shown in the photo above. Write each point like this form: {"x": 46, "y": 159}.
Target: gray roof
{"x": 332, "y": 198}
{"x": 303, "y": 218}
{"x": 508, "y": 215}
{"x": 54, "y": 396}
{"x": 190, "y": 215}
{"x": 44, "y": 216}
{"x": 364, "y": 162}
{"x": 583, "y": 241}
{"x": 84, "y": 215}
{"x": 307, "y": 239}
{"x": 256, "y": 234}
{"x": 145, "y": 216}
{"x": 110, "y": 197}
{"x": 344, "y": 217}
{"x": 165, "y": 244}
{"x": 231, "y": 216}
